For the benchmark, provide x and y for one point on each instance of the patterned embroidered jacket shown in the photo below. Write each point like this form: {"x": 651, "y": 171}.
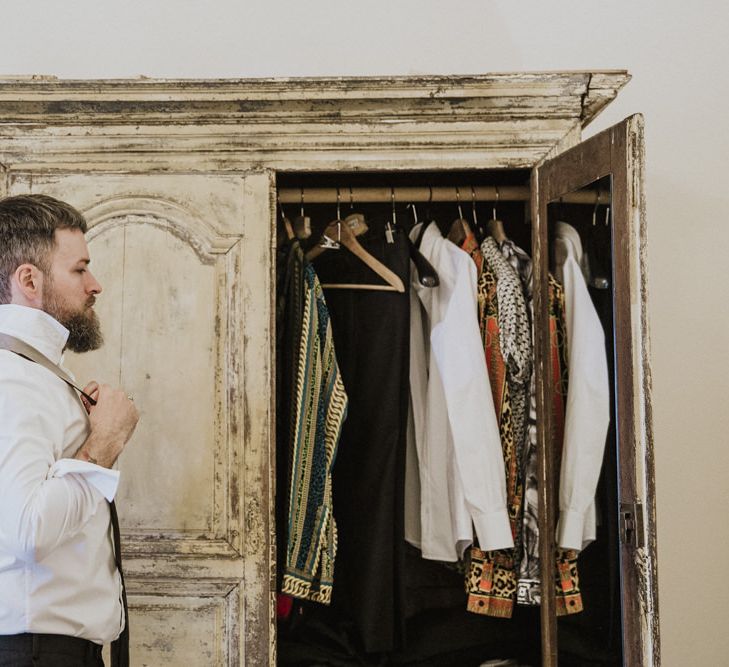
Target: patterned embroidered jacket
{"x": 318, "y": 410}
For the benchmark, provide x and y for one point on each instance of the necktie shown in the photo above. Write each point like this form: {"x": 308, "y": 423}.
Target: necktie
{"x": 120, "y": 647}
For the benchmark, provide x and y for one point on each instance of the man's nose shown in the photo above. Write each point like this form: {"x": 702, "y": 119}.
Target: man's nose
{"x": 93, "y": 287}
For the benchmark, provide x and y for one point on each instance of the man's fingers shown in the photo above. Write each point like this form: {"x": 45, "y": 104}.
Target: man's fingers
{"x": 92, "y": 389}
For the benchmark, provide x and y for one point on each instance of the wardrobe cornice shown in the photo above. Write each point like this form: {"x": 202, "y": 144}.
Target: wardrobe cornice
{"x": 509, "y": 120}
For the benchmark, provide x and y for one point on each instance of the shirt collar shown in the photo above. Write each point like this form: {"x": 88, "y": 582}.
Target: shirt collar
{"x": 35, "y": 327}
{"x": 571, "y": 238}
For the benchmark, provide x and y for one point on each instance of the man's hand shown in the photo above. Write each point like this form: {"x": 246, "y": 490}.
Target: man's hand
{"x": 91, "y": 389}
{"x": 113, "y": 420}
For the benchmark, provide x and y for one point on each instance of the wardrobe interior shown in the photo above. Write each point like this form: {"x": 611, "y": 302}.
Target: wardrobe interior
{"x": 388, "y": 604}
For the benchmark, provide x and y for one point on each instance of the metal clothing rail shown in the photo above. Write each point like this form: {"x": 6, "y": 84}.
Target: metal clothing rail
{"x": 411, "y": 195}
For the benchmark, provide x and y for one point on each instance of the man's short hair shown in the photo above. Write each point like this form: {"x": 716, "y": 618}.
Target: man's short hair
{"x": 28, "y": 224}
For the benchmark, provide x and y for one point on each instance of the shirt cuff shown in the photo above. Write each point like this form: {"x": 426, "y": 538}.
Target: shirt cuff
{"x": 104, "y": 480}
{"x": 493, "y": 530}
{"x": 570, "y": 530}
{"x": 589, "y": 531}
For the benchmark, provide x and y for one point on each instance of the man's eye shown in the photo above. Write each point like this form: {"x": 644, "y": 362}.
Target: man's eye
{"x": 80, "y": 270}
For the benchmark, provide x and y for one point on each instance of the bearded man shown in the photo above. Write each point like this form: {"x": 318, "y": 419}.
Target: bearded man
{"x": 61, "y": 588}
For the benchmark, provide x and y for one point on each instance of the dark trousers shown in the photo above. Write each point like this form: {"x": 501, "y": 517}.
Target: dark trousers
{"x": 36, "y": 650}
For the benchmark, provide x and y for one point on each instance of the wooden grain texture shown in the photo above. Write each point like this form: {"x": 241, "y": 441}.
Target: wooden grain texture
{"x": 177, "y": 179}
{"x": 618, "y": 152}
{"x": 546, "y": 474}
{"x": 496, "y": 121}
{"x": 170, "y": 252}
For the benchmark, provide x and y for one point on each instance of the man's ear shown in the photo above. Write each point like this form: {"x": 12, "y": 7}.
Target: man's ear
{"x": 27, "y": 285}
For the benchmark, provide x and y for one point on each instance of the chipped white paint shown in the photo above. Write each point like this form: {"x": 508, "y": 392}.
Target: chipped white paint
{"x": 396, "y": 123}
{"x": 644, "y": 453}
{"x": 177, "y": 179}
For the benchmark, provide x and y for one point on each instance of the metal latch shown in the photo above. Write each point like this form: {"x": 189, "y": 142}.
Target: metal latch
{"x": 631, "y": 524}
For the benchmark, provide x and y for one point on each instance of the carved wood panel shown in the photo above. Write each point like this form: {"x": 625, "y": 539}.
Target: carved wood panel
{"x": 184, "y": 263}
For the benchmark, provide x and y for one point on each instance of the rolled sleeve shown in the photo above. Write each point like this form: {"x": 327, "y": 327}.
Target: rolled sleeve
{"x": 104, "y": 480}
{"x": 45, "y": 502}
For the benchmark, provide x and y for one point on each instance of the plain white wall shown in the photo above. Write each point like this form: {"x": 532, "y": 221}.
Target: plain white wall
{"x": 677, "y": 53}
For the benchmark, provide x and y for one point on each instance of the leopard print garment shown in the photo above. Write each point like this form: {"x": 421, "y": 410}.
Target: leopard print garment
{"x": 493, "y": 579}
{"x": 491, "y": 583}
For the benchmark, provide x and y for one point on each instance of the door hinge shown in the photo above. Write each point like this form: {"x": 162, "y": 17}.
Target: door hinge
{"x": 631, "y": 524}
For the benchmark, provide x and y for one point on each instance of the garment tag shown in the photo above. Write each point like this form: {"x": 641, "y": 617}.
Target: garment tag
{"x": 302, "y": 227}
{"x": 388, "y": 233}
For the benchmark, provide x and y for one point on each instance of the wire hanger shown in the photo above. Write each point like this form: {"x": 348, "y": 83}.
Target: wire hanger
{"x": 428, "y": 216}
{"x": 479, "y": 228}
{"x": 597, "y": 274}
{"x": 495, "y": 226}
{"x": 288, "y": 229}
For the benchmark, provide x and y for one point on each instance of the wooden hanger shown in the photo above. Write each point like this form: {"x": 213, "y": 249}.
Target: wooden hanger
{"x": 340, "y": 232}
{"x": 284, "y": 229}
{"x": 355, "y": 221}
{"x": 460, "y": 229}
{"x": 496, "y": 229}
{"x": 289, "y": 229}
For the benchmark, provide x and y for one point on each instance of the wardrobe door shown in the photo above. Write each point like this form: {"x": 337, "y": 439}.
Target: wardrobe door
{"x": 604, "y": 175}
{"x": 185, "y": 264}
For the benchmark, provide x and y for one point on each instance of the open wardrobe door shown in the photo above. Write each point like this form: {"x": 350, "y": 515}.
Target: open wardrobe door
{"x": 590, "y": 199}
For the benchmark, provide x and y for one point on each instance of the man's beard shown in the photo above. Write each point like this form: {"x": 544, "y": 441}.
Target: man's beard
{"x": 83, "y": 326}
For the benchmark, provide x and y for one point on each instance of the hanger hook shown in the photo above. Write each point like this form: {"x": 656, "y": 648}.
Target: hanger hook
{"x": 302, "y": 201}
{"x": 414, "y": 209}
{"x": 473, "y": 206}
{"x": 458, "y": 199}
{"x": 339, "y": 213}
{"x": 496, "y": 201}
{"x": 594, "y": 210}
{"x": 394, "y": 213}
{"x": 607, "y": 215}
{"x": 351, "y": 198}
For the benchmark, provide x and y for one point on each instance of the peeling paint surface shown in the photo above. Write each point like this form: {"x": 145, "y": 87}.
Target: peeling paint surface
{"x": 187, "y": 168}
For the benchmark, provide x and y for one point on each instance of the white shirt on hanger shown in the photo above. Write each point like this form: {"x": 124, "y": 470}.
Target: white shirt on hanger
{"x": 587, "y": 413}
{"x": 57, "y": 569}
{"x": 455, "y": 478}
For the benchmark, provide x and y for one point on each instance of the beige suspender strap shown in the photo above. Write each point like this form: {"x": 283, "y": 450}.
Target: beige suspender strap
{"x": 28, "y": 352}
{"x": 120, "y": 647}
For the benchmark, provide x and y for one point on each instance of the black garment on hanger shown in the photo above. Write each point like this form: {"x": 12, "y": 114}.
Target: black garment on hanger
{"x": 371, "y": 337}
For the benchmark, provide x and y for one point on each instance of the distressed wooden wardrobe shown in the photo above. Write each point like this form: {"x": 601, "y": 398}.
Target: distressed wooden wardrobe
{"x": 178, "y": 180}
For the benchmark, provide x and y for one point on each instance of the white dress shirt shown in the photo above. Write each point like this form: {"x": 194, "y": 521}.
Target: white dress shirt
{"x": 587, "y": 413}
{"x": 455, "y": 478}
{"x": 57, "y": 569}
